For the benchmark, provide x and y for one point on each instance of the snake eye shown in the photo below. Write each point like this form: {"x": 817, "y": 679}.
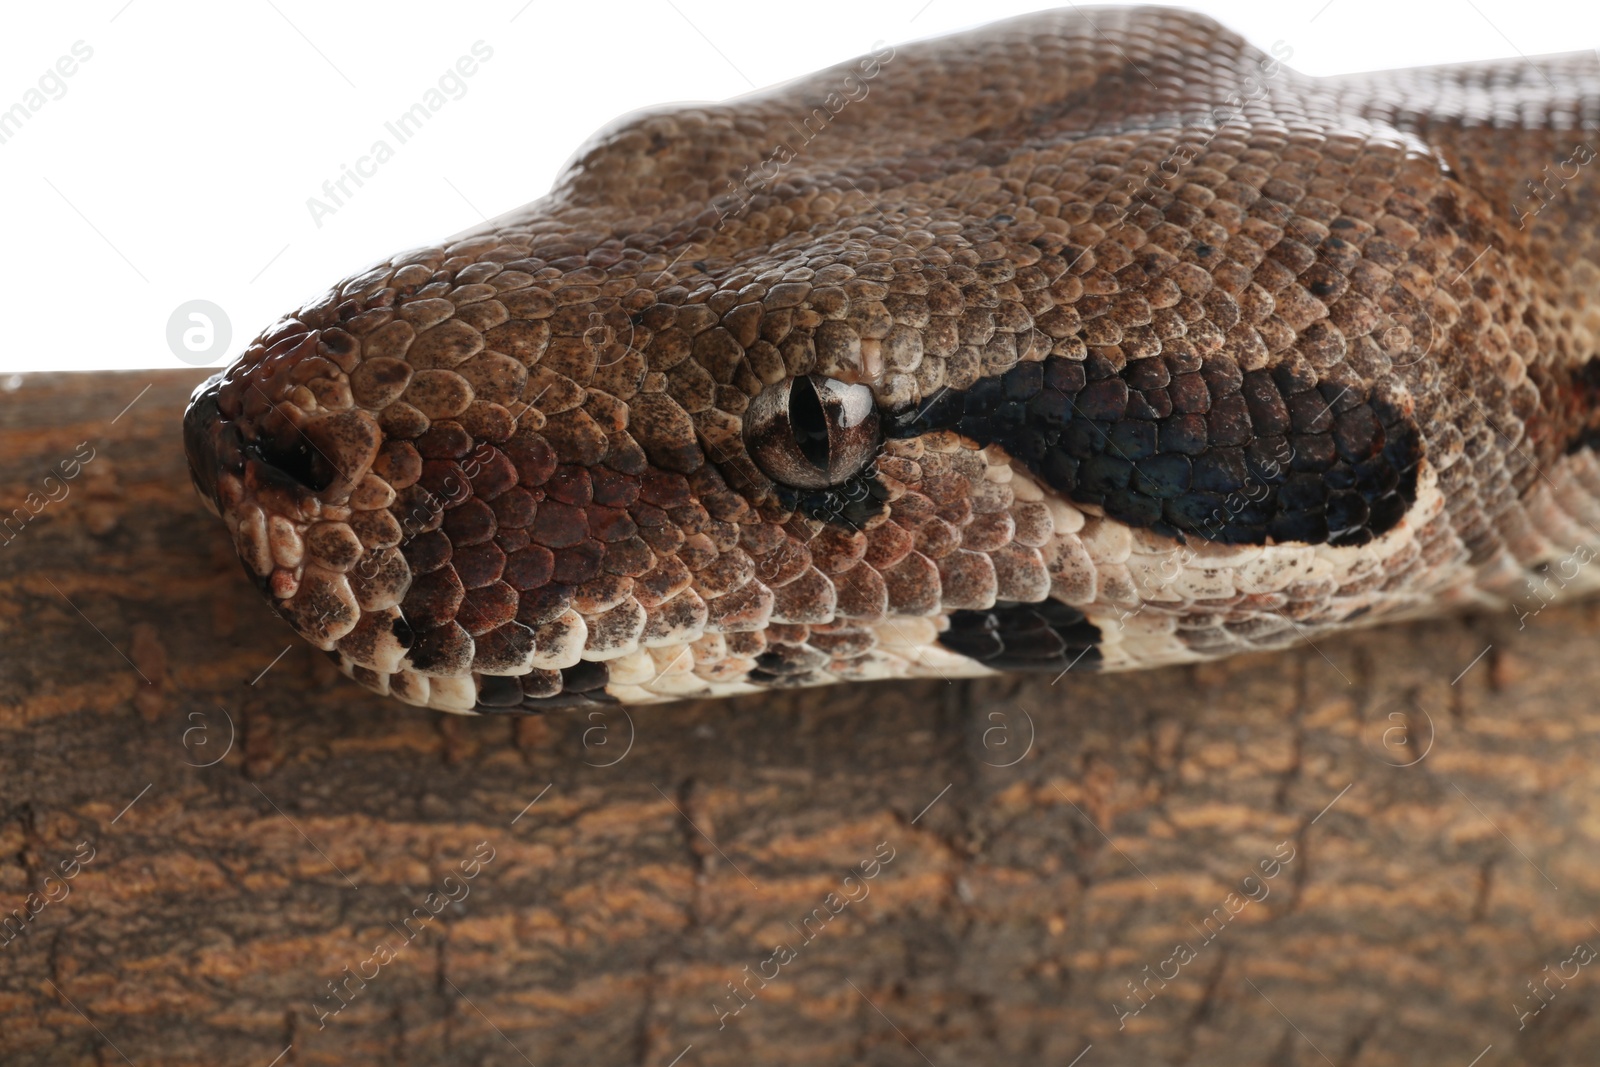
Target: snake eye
{"x": 812, "y": 432}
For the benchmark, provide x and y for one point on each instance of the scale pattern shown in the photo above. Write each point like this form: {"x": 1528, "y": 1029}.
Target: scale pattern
{"x": 1178, "y": 353}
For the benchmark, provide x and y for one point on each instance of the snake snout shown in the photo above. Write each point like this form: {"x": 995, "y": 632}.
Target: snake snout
{"x": 282, "y": 421}
{"x": 201, "y": 422}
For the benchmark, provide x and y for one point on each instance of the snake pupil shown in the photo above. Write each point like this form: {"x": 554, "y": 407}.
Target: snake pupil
{"x": 810, "y": 425}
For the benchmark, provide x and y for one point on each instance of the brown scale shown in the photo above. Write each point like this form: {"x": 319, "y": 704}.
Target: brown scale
{"x": 509, "y": 466}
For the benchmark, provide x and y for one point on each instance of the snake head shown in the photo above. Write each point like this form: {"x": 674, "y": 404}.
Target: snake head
{"x": 413, "y": 474}
{"x": 482, "y": 483}
{"x": 1053, "y": 380}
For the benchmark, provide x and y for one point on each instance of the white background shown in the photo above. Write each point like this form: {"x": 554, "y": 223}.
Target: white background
{"x": 178, "y": 162}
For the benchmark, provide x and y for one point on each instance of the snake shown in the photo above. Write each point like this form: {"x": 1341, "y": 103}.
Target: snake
{"x": 1092, "y": 340}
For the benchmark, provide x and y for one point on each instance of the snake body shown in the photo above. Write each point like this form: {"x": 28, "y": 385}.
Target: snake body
{"x": 1090, "y": 340}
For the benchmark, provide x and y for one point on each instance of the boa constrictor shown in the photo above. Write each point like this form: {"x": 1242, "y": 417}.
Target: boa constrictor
{"x": 1091, "y": 340}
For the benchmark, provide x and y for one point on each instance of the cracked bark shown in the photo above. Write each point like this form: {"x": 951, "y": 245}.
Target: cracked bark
{"x": 1005, "y": 929}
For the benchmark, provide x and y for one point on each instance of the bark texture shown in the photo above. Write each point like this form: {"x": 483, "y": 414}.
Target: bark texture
{"x": 241, "y": 825}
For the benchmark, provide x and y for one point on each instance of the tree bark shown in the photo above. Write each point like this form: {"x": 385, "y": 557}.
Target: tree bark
{"x": 998, "y": 871}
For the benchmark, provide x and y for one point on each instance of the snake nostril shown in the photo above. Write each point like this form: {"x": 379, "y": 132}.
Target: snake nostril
{"x": 296, "y": 460}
